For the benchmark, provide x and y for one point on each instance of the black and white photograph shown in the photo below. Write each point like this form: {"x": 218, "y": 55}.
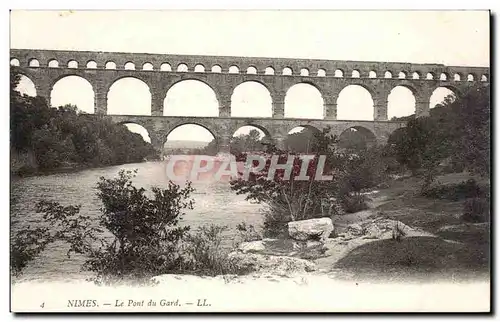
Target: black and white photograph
{"x": 250, "y": 161}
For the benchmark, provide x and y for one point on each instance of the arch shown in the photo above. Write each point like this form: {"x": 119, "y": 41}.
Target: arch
{"x": 304, "y": 72}
{"x": 355, "y": 102}
{"x": 14, "y": 62}
{"x": 91, "y": 64}
{"x": 429, "y": 76}
{"x": 304, "y": 101}
{"x": 443, "y": 76}
{"x": 129, "y": 66}
{"x": 147, "y": 66}
{"x": 53, "y": 63}
{"x": 26, "y": 86}
{"x": 300, "y": 139}
{"x": 457, "y": 77}
{"x": 287, "y": 71}
{"x": 484, "y": 78}
{"x": 129, "y": 96}
{"x": 372, "y": 74}
{"x": 199, "y": 68}
{"x": 401, "y": 102}
{"x": 355, "y": 74}
{"x": 321, "y": 72}
{"x": 233, "y": 70}
{"x": 139, "y": 129}
{"x": 198, "y": 133}
{"x": 182, "y": 68}
{"x": 165, "y": 67}
{"x": 251, "y": 70}
{"x": 191, "y": 97}
{"x": 251, "y": 99}
{"x": 34, "y": 63}
{"x": 72, "y": 64}
{"x": 387, "y": 74}
{"x": 216, "y": 69}
{"x": 338, "y": 73}
{"x": 74, "y": 90}
{"x": 110, "y": 65}
{"x": 269, "y": 71}
{"x": 249, "y": 138}
{"x": 402, "y": 75}
{"x": 356, "y": 138}
{"x": 442, "y": 94}
{"x": 470, "y": 78}
{"x": 415, "y": 75}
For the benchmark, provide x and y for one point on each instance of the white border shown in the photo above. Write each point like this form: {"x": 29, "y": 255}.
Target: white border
{"x": 144, "y": 4}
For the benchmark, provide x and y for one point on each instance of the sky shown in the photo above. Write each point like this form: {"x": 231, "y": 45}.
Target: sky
{"x": 445, "y": 37}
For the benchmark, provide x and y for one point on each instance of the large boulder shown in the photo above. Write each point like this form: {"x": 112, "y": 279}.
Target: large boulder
{"x": 310, "y": 229}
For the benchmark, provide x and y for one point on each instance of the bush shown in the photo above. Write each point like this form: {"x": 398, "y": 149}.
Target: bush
{"x": 354, "y": 202}
{"x": 247, "y": 233}
{"x": 476, "y": 210}
{"x": 203, "y": 252}
{"x": 459, "y": 191}
{"x": 137, "y": 236}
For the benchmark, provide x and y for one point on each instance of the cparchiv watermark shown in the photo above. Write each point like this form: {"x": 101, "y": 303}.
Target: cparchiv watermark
{"x": 302, "y": 167}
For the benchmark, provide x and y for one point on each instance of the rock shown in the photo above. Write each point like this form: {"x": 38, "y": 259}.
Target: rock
{"x": 268, "y": 264}
{"x": 285, "y": 247}
{"x": 355, "y": 230}
{"x": 311, "y": 229}
{"x": 252, "y": 247}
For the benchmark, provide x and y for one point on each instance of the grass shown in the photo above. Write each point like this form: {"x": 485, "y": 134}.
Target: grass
{"x": 461, "y": 252}
{"x": 415, "y": 259}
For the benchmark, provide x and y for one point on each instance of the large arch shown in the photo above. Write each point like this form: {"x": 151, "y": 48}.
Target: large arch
{"x": 129, "y": 96}
{"x": 74, "y": 90}
{"x": 189, "y": 137}
{"x": 356, "y": 138}
{"x": 355, "y": 102}
{"x": 26, "y": 86}
{"x": 304, "y": 101}
{"x": 191, "y": 97}
{"x": 401, "y": 102}
{"x": 440, "y": 94}
{"x": 251, "y": 99}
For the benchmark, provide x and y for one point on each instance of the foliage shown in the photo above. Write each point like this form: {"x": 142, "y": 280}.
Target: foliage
{"x": 63, "y": 136}
{"x": 136, "y": 237}
{"x": 459, "y": 191}
{"x": 353, "y": 202}
{"x": 203, "y": 252}
{"x": 247, "y": 233}
{"x": 458, "y": 129}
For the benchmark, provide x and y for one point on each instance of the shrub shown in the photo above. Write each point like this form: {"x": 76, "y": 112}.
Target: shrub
{"x": 459, "y": 191}
{"x": 204, "y": 254}
{"x": 137, "y": 236}
{"x": 476, "y": 210}
{"x": 354, "y": 202}
{"x": 398, "y": 232}
{"x": 247, "y": 233}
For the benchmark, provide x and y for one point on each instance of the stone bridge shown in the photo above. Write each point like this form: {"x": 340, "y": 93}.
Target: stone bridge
{"x": 224, "y": 73}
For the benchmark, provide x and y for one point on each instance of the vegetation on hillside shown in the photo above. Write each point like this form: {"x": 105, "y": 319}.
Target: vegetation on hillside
{"x": 64, "y": 137}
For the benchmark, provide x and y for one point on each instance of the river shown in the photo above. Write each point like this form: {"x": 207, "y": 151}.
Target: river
{"x": 215, "y": 203}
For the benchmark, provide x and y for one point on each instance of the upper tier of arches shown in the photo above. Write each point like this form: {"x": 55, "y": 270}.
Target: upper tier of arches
{"x": 247, "y": 65}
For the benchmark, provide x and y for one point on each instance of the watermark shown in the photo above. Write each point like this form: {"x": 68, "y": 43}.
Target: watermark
{"x": 302, "y": 167}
